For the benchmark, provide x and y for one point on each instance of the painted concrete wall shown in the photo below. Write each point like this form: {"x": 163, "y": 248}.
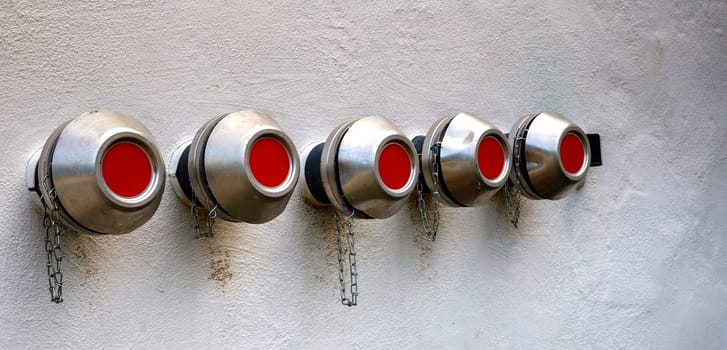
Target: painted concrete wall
{"x": 637, "y": 259}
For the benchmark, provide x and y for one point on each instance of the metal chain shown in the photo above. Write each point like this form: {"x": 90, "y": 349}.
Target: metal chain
{"x": 351, "y": 259}
{"x": 514, "y": 214}
{"x": 51, "y": 224}
{"x": 432, "y": 229}
{"x": 211, "y": 216}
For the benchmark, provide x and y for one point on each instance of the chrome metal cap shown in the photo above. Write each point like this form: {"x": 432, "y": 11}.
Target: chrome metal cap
{"x": 551, "y": 155}
{"x": 474, "y": 158}
{"x": 107, "y": 172}
{"x": 366, "y": 166}
{"x": 241, "y": 162}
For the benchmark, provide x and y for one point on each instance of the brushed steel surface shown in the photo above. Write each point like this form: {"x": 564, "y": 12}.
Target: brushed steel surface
{"x": 219, "y": 167}
{"x": 71, "y": 158}
{"x": 545, "y": 177}
{"x": 358, "y": 160}
{"x": 458, "y": 157}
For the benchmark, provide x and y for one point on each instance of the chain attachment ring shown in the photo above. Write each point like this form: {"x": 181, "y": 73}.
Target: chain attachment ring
{"x": 348, "y": 221}
{"x": 211, "y": 216}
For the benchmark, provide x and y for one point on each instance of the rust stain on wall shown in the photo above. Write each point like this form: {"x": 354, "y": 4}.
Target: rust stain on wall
{"x": 84, "y": 259}
{"x": 323, "y": 229}
{"x": 220, "y": 271}
{"x": 219, "y": 264}
{"x": 421, "y": 241}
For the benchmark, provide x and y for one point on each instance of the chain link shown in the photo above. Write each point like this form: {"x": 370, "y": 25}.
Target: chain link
{"x": 54, "y": 255}
{"x": 211, "y": 216}
{"x": 348, "y": 220}
{"x": 431, "y": 230}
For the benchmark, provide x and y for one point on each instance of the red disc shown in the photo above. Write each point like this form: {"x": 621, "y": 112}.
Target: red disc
{"x": 269, "y": 162}
{"x": 490, "y": 158}
{"x": 126, "y": 169}
{"x": 572, "y": 153}
{"x": 394, "y": 166}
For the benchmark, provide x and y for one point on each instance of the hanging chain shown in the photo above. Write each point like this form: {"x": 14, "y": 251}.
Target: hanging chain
{"x": 51, "y": 224}
{"x": 351, "y": 259}
{"x": 514, "y": 213}
{"x": 432, "y": 229}
{"x": 211, "y": 216}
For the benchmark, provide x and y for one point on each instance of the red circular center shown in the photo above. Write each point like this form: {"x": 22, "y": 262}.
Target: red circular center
{"x": 269, "y": 162}
{"x": 572, "y": 154}
{"x": 126, "y": 169}
{"x": 490, "y": 158}
{"x": 394, "y": 166}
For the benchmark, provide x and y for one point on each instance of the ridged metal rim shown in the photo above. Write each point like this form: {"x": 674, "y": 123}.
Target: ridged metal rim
{"x": 517, "y": 142}
{"x": 329, "y": 169}
{"x": 44, "y": 171}
{"x": 411, "y": 152}
{"x": 434, "y": 135}
{"x": 291, "y": 180}
{"x": 152, "y": 189}
{"x": 196, "y": 169}
{"x": 581, "y": 135}
{"x": 500, "y": 180}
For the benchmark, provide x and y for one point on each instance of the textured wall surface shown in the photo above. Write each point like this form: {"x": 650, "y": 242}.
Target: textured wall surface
{"x": 636, "y": 259}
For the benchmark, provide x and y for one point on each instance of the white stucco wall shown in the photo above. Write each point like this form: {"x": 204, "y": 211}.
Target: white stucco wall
{"x": 636, "y": 259}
